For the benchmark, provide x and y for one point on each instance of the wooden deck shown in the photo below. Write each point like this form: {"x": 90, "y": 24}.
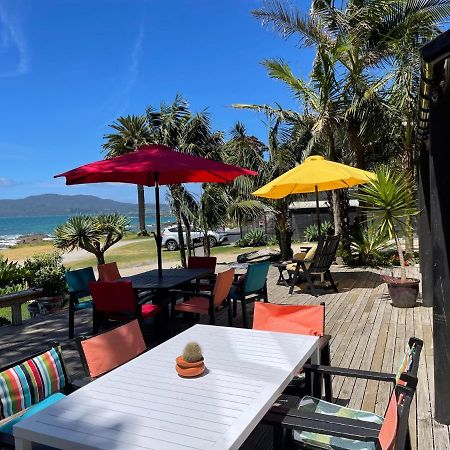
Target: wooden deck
{"x": 367, "y": 333}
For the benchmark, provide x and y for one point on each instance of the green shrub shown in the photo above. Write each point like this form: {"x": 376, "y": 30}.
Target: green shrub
{"x": 368, "y": 245}
{"x": 273, "y": 240}
{"x": 46, "y": 272}
{"x": 311, "y": 234}
{"x": 11, "y": 274}
{"x": 254, "y": 238}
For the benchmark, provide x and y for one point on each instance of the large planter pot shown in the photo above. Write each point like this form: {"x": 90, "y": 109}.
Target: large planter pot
{"x": 403, "y": 293}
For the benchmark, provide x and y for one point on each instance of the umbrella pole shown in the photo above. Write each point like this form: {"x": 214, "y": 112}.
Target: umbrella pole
{"x": 317, "y": 209}
{"x": 158, "y": 237}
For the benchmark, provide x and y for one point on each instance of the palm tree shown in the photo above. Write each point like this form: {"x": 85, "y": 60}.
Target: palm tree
{"x": 390, "y": 200}
{"x": 245, "y": 151}
{"x": 286, "y": 146}
{"x": 131, "y": 132}
{"x": 94, "y": 234}
{"x": 175, "y": 126}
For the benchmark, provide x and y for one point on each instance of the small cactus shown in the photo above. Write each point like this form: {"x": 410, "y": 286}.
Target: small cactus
{"x": 192, "y": 352}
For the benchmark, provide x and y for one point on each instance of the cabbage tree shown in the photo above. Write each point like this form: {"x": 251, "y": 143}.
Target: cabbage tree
{"x": 95, "y": 234}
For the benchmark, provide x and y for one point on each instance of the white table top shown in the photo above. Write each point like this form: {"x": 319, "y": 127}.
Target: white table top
{"x": 144, "y": 404}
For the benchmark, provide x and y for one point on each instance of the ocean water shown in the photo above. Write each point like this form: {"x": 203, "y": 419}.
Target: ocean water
{"x": 13, "y": 227}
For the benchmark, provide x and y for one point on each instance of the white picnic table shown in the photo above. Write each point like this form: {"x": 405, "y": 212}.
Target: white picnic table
{"x": 144, "y": 404}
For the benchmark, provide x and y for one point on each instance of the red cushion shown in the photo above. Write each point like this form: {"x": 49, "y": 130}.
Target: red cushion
{"x": 150, "y": 310}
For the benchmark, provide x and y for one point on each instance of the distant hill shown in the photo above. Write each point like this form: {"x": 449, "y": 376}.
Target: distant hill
{"x": 55, "y": 204}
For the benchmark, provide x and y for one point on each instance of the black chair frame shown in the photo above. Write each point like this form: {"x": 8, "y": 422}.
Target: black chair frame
{"x": 286, "y": 420}
{"x": 319, "y": 264}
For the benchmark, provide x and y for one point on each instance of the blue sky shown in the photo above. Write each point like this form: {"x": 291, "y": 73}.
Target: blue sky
{"x": 69, "y": 68}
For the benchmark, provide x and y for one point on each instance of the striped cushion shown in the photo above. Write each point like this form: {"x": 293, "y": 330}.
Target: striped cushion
{"x": 316, "y": 440}
{"x": 29, "y": 383}
{"x": 406, "y": 363}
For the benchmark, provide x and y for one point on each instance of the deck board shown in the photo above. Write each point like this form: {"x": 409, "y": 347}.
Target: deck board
{"x": 367, "y": 333}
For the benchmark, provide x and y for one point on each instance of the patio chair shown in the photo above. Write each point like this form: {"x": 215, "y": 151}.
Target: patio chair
{"x": 297, "y": 319}
{"x": 110, "y": 272}
{"x": 320, "y": 263}
{"x": 250, "y": 287}
{"x": 77, "y": 283}
{"x": 207, "y": 303}
{"x": 315, "y": 423}
{"x": 106, "y": 351}
{"x": 203, "y": 262}
{"x": 28, "y": 386}
{"x": 117, "y": 302}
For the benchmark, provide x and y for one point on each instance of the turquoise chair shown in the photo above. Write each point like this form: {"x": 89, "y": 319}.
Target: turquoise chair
{"x": 78, "y": 282}
{"x": 252, "y": 286}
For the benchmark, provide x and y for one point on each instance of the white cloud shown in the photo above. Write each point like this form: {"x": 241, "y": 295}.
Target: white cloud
{"x": 5, "y": 182}
{"x": 12, "y": 39}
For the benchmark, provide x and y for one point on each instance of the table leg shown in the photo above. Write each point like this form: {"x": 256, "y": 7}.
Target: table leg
{"x": 16, "y": 314}
{"x": 316, "y": 382}
{"x": 22, "y": 444}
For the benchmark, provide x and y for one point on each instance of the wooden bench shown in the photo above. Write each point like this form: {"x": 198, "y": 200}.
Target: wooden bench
{"x": 15, "y": 301}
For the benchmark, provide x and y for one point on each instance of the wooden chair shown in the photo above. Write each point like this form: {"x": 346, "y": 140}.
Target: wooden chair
{"x": 314, "y": 423}
{"x": 106, "y": 351}
{"x": 250, "y": 287}
{"x": 116, "y": 301}
{"x": 77, "y": 283}
{"x": 298, "y": 319}
{"x": 28, "y": 386}
{"x": 324, "y": 256}
{"x": 205, "y": 302}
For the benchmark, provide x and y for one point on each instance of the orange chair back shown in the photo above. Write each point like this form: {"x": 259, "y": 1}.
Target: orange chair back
{"x": 202, "y": 262}
{"x": 108, "y": 272}
{"x": 388, "y": 431}
{"x": 298, "y": 319}
{"x": 223, "y": 285}
{"x": 113, "y": 348}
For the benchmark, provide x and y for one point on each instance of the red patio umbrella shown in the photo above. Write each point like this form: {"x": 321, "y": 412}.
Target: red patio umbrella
{"x": 155, "y": 165}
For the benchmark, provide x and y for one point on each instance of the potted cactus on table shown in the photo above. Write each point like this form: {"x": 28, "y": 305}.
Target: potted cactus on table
{"x": 190, "y": 363}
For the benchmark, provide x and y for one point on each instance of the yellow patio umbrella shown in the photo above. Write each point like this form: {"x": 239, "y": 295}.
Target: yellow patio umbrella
{"x": 315, "y": 174}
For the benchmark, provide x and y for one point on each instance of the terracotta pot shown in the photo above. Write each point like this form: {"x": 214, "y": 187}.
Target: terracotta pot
{"x": 189, "y": 369}
{"x": 403, "y": 293}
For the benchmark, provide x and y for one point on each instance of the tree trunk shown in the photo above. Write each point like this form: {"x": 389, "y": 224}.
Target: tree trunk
{"x": 354, "y": 139}
{"x": 408, "y": 166}
{"x": 141, "y": 211}
{"x": 206, "y": 246}
{"x": 181, "y": 239}
{"x": 187, "y": 226}
{"x": 100, "y": 258}
{"x": 400, "y": 257}
{"x": 282, "y": 226}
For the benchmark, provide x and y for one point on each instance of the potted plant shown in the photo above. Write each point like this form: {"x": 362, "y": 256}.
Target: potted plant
{"x": 48, "y": 273}
{"x": 389, "y": 199}
{"x": 190, "y": 363}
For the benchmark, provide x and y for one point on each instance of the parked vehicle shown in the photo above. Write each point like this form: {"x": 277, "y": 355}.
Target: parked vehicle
{"x": 170, "y": 237}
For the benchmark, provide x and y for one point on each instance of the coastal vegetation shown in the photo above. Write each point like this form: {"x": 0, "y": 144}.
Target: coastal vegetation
{"x": 95, "y": 234}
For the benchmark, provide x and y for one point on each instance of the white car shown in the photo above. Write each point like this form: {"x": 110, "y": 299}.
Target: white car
{"x": 170, "y": 237}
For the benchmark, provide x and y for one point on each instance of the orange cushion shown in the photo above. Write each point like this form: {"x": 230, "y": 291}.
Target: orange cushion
{"x": 199, "y": 305}
{"x": 299, "y": 319}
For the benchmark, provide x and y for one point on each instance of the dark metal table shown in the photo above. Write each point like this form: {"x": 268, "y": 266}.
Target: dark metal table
{"x": 171, "y": 278}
